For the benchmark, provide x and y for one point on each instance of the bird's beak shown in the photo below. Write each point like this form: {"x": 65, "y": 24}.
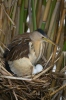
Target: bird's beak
{"x": 46, "y": 39}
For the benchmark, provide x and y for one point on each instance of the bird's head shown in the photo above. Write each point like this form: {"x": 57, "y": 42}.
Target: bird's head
{"x": 39, "y": 34}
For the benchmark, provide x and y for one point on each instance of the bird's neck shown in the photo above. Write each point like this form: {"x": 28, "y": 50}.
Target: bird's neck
{"x": 38, "y": 48}
{"x": 35, "y": 48}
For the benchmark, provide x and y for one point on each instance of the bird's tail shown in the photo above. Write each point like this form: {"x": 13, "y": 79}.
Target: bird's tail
{"x": 7, "y": 67}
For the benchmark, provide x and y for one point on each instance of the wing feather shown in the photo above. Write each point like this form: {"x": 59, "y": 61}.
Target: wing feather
{"x": 19, "y": 48}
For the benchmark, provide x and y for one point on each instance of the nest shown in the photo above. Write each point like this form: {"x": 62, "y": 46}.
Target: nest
{"x": 36, "y": 87}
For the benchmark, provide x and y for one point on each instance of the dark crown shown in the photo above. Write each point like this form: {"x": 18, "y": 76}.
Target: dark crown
{"x": 41, "y": 31}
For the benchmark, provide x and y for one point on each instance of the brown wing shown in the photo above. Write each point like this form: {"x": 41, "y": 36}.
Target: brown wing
{"x": 19, "y": 47}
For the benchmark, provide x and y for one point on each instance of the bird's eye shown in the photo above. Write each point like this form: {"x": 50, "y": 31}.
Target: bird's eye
{"x": 42, "y": 37}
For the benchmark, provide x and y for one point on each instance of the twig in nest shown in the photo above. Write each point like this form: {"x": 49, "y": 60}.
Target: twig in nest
{"x": 16, "y": 78}
{"x": 63, "y": 70}
{"x": 4, "y": 71}
{"x": 1, "y": 49}
{"x": 13, "y": 90}
{"x": 56, "y": 91}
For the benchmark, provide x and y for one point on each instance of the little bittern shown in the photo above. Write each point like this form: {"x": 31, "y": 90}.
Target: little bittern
{"x": 24, "y": 51}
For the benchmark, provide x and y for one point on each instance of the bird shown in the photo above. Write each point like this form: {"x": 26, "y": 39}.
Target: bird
{"x": 25, "y": 51}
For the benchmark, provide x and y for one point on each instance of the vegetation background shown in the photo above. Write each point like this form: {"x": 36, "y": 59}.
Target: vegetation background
{"x": 19, "y": 16}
